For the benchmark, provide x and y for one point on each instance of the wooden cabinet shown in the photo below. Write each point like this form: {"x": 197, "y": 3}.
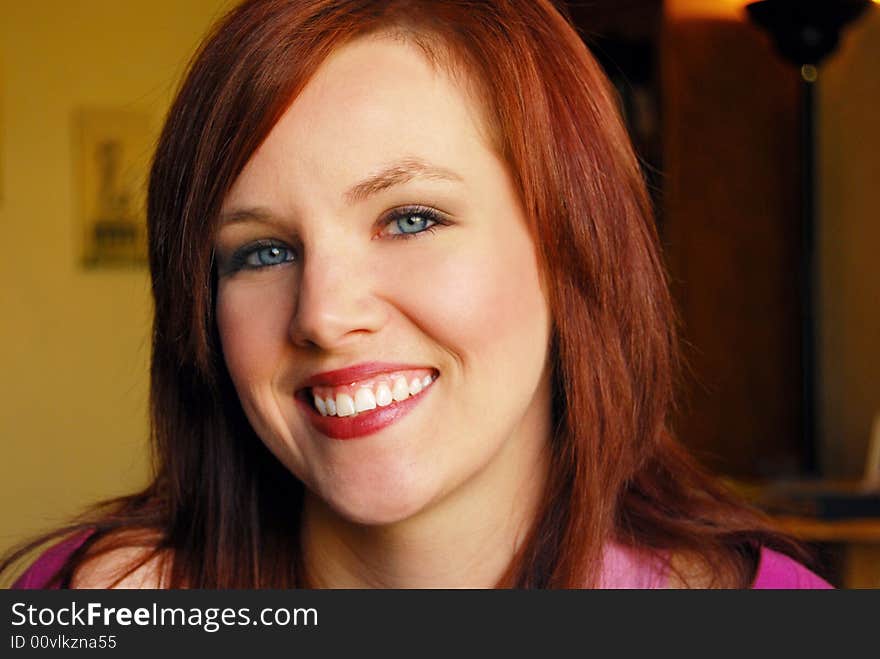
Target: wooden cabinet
{"x": 851, "y": 547}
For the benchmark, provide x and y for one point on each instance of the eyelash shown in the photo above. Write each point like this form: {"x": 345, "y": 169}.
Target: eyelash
{"x": 431, "y": 215}
{"x": 238, "y": 260}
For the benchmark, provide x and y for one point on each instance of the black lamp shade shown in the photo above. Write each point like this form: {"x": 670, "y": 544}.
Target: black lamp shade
{"x": 805, "y": 31}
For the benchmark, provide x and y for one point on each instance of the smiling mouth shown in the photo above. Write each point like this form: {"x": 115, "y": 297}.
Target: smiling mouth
{"x": 385, "y": 390}
{"x": 365, "y": 407}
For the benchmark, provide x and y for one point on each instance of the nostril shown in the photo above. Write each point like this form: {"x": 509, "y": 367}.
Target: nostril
{"x": 334, "y": 306}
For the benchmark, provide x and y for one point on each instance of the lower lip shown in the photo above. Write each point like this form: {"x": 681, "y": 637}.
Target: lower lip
{"x": 363, "y": 423}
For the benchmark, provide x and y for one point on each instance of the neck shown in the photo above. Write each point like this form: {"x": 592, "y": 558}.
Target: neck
{"x": 465, "y": 540}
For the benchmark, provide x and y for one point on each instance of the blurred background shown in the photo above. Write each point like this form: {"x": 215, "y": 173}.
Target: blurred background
{"x": 764, "y": 173}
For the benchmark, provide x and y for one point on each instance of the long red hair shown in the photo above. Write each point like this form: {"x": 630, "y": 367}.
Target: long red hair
{"x": 219, "y": 504}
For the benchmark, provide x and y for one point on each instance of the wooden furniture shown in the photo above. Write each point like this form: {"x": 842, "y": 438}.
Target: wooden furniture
{"x": 848, "y": 546}
{"x": 858, "y": 541}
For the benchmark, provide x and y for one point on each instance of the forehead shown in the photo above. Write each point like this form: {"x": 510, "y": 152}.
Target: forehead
{"x": 375, "y": 100}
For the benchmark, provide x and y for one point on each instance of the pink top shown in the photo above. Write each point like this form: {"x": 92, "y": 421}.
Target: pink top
{"x": 777, "y": 571}
{"x": 623, "y": 569}
{"x": 40, "y": 573}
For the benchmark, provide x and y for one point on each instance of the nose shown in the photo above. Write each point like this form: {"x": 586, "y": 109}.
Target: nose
{"x": 336, "y": 303}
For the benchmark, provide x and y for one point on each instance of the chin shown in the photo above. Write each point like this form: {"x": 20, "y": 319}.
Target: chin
{"x": 379, "y": 503}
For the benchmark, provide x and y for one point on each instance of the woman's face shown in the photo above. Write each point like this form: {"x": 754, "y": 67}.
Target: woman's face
{"x": 374, "y": 253}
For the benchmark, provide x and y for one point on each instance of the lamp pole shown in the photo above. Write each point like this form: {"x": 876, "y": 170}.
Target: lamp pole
{"x": 808, "y": 273}
{"x": 804, "y": 33}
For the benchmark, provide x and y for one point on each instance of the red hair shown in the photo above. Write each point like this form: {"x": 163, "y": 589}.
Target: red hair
{"x": 219, "y": 502}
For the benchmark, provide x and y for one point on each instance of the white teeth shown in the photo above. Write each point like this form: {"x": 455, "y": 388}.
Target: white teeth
{"x": 383, "y": 395}
{"x": 400, "y": 390}
{"x": 344, "y": 405}
{"x": 322, "y": 407}
{"x": 364, "y": 400}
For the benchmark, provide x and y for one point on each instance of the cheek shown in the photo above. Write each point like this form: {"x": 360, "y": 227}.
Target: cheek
{"x": 253, "y": 325}
{"x": 484, "y": 300}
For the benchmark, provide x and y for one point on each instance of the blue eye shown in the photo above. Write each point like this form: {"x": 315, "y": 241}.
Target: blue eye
{"x": 407, "y": 222}
{"x": 412, "y": 223}
{"x": 264, "y": 256}
{"x": 259, "y": 255}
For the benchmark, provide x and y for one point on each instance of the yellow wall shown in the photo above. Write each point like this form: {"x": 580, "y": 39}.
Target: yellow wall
{"x": 74, "y": 344}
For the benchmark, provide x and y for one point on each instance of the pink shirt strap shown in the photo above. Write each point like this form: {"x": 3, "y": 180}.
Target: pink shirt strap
{"x": 777, "y": 572}
{"x": 39, "y": 575}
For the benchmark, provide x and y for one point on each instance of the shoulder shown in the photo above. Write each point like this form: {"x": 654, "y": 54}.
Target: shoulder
{"x": 42, "y": 572}
{"x": 627, "y": 568}
{"x": 122, "y": 561}
{"x": 774, "y": 570}
{"x": 119, "y": 560}
{"x": 688, "y": 570}
{"x": 778, "y": 571}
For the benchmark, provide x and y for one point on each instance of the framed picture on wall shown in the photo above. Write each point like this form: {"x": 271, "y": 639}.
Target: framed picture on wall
{"x": 112, "y": 156}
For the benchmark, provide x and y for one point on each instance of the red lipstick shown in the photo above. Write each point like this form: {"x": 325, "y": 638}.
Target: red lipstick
{"x": 363, "y": 423}
{"x": 354, "y": 373}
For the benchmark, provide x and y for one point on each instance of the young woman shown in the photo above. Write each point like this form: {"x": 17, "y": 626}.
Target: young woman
{"x": 411, "y": 323}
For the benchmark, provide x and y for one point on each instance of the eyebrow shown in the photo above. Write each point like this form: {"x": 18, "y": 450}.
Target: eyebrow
{"x": 244, "y": 214}
{"x": 397, "y": 173}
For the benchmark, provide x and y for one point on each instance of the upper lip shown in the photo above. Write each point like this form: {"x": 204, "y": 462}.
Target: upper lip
{"x": 354, "y": 373}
